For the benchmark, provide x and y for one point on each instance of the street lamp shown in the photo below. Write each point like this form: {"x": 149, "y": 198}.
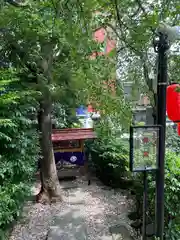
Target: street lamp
{"x": 166, "y": 36}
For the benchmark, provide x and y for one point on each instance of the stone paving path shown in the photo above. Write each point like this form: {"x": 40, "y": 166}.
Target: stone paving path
{"x": 92, "y": 212}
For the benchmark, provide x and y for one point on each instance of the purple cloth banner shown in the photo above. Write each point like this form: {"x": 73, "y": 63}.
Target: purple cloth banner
{"x": 76, "y": 158}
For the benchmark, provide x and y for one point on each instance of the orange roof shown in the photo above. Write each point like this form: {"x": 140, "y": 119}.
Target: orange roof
{"x": 72, "y": 134}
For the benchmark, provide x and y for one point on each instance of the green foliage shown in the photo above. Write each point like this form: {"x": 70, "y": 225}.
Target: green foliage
{"x": 140, "y": 123}
{"x": 136, "y": 22}
{"x": 172, "y": 139}
{"x": 57, "y": 37}
{"x": 109, "y": 155}
{"x": 18, "y": 147}
{"x": 172, "y": 194}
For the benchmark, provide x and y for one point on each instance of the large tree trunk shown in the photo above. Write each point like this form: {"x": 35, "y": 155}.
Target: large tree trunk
{"x": 50, "y": 187}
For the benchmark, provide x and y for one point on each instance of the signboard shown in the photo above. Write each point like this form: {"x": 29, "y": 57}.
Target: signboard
{"x": 69, "y": 158}
{"x": 144, "y": 144}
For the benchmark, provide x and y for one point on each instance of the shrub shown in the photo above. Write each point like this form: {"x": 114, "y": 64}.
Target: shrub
{"x": 172, "y": 195}
{"x": 109, "y": 155}
{"x": 110, "y": 161}
{"x": 18, "y": 148}
{"x": 172, "y": 139}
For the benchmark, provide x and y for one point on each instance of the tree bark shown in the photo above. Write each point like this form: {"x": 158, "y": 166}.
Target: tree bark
{"x": 50, "y": 187}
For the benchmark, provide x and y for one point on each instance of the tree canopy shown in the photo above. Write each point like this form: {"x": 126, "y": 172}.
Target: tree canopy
{"x": 49, "y": 44}
{"x": 136, "y": 24}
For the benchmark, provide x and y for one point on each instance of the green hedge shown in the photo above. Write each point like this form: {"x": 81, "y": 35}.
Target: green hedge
{"x": 110, "y": 159}
{"x": 172, "y": 195}
{"x": 18, "y": 149}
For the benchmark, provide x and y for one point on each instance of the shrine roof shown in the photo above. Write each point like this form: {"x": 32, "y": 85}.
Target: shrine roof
{"x": 73, "y": 134}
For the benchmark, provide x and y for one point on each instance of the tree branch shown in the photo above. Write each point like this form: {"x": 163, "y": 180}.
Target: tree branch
{"x": 135, "y": 13}
{"x": 141, "y": 7}
{"x": 134, "y": 50}
{"x": 17, "y": 4}
{"x": 145, "y": 14}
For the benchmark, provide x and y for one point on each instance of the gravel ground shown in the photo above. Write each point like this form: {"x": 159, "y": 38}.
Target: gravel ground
{"x": 103, "y": 207}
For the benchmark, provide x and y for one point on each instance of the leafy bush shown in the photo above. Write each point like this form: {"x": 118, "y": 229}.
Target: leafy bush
{"x": 110, "y": 156}
{"x": 110, "y": 161}
{"x": 18, "y": 148}
{"x": 172, "y": 139}
{"x": 172, "y": 195}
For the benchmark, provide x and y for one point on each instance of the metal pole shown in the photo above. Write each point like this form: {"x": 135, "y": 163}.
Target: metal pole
{"x": 144, "y": 205}
{"x": 162, "y": 47}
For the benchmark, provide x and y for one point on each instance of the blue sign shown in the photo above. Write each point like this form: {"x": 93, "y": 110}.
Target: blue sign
{"x": 81, "y": 111}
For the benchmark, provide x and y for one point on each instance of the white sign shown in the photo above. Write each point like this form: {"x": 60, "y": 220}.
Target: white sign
{"x": 73, "y": 159}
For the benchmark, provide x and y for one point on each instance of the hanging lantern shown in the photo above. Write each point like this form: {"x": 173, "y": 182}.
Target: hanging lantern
{"x": 173, "y": 103}
{"x": 178, "y": 128}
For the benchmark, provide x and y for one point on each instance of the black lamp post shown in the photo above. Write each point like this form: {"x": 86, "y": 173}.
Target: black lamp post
{"x": 161, "y": 46}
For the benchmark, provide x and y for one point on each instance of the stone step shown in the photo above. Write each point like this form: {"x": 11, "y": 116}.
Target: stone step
{"x": 68, "y": 225}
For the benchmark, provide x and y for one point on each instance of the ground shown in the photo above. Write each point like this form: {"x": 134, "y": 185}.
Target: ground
{"x": 93, "y": 212}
